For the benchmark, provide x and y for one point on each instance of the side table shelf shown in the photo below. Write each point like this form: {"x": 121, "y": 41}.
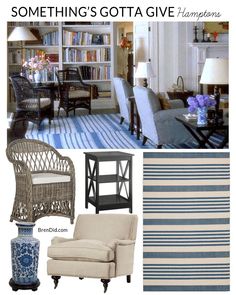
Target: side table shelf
{"x": 122, "y": 180}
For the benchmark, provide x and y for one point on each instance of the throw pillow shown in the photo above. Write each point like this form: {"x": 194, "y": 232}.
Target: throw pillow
{"x": 165, "y": 103}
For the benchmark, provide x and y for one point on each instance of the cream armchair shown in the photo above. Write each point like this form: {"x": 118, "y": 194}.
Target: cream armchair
{"x": 102, "y": 247}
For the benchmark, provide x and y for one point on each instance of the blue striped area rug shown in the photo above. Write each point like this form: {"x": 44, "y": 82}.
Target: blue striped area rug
{"x": 94, "y": 132}
{"x": 186, "y": 233}
{"x": 86, "y": 132}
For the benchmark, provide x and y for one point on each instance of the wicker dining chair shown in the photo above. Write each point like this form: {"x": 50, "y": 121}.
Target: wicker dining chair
{"x": 73, "y": 92}
{"x": 45, "y": 181}
{"x": 32, "y": 104}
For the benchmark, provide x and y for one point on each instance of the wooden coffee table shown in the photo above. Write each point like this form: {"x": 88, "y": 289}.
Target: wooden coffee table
{"x": 202, "y": 133}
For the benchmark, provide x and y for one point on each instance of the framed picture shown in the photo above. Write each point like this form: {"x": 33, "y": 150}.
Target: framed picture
{"x": 219, "y": 27}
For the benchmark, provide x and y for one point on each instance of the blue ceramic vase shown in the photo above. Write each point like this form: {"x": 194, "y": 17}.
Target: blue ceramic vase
{"x": 25, "y": 256}
{"x": 202, "y": 116}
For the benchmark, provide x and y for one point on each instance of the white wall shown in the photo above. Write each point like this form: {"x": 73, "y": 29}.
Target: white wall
{"x": 176, "y": 56}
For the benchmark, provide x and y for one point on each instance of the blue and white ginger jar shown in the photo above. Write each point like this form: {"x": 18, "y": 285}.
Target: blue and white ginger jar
{"x": 25, "y": 255}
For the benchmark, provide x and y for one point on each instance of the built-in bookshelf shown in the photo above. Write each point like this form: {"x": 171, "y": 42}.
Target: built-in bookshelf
{"x": 87, "y": 45}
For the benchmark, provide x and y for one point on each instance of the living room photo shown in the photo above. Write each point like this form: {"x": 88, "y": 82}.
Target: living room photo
{"x": 119, "y": 85}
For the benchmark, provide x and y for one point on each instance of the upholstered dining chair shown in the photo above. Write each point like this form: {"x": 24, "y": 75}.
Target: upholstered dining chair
{"x": 73, "y": 92}
{"x": 102, "y": 247}
{"x": 159, "y": 125}
{"x": 45, "y": 181}
{"x": 32, "y": 104}
{"x": 123, "y": 91}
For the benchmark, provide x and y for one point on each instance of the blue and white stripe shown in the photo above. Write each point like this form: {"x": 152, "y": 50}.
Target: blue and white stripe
{"x": 186, "y": 209}
{"x": 90, "y": 132}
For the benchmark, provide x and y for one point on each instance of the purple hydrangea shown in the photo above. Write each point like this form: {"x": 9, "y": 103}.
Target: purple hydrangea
{"x": 200, "y": 101}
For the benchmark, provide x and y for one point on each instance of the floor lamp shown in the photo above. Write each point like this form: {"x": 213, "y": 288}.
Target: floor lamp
{"x": 21, "y": 34}
{"x": 215, "y": 72}
{"x": 145, "y": 71}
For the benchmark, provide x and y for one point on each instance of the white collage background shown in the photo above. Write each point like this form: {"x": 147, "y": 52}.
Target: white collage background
{"x": 71, "y": 285}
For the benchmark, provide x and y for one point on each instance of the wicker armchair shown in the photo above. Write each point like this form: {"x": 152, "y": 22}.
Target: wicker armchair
{"x": 31, "y": 104}
{"x": 45, "y": 181}
{"x": 73, "y": 92}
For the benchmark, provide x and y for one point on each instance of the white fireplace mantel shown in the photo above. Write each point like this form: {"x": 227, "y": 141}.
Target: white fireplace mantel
{"x": 203, "y": 50}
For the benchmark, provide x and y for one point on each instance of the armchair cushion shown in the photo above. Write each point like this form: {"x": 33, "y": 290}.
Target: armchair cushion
{"x": 32, "y": 103}
{"x": 43, "y": 178}
{"x": 78, "y": 93}
{"x": 85, "y": 250}
{"x": 176, "y": 103}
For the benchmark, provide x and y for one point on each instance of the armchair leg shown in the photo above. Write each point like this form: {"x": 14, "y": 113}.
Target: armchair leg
{"x": 159, "y": 146}
{"x": 128, "y": 278}
{"x": 121, "y": 120}
{"x": 144, "y": 140}
{"x": 105, "y": 284}
{"x": 55, "y": 279}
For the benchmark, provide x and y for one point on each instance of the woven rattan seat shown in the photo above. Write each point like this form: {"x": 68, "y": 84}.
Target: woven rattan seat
{"x": 37, "y": 197}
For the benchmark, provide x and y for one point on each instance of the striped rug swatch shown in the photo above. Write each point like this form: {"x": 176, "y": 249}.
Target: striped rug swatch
{"x": 186, "y": 208}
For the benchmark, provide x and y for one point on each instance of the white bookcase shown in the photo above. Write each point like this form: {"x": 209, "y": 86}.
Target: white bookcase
{"x": 89, "y": 46}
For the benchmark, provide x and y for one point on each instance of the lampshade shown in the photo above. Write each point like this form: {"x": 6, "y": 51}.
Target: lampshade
{"x": 144, "y": 70}
{"x": 21, "y": 34}
{"x": 215, "y": 72}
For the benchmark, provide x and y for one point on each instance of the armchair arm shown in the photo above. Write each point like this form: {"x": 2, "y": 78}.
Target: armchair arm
{"x": 176, "y": 103}
{"x": 169, "y": 130}
{"x": 124, "y": 256}
{"x": 65, "y": 164}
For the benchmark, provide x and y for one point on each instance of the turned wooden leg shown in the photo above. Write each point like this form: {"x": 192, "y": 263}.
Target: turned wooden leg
{"x": 105, "y": 284}
{"x": 144, "y": 140}
{"x": 128, "y": 278}
{"x": 55, "y": 279}
{"x": 121, "y": 120}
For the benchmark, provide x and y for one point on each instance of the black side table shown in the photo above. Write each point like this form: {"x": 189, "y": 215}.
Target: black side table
{"x": 122, "y": 179}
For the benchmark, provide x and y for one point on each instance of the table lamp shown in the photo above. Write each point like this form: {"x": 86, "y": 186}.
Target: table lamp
{"x": 215, "y": 72}
{"x": 145, "y": 71}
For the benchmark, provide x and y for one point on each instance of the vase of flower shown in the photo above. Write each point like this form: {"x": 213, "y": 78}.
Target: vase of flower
{"x": 24, "y": 256}
{"x": 37, "y": 77}
{"x": 35, "y": 66}
{"x": 202, "y": 116}
{"x": 200, "y": 103}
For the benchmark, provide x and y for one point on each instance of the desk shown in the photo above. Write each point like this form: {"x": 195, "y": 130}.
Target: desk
{"x": 134, "y": 115}
{"x": 202, "y": 133}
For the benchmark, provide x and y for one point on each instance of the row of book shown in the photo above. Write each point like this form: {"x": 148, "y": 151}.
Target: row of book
{"x": 96, "y": 73}
{"x": 85, "y": 38}
{"x": 51, "y": 38}
{"x": 97, "y": 55}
